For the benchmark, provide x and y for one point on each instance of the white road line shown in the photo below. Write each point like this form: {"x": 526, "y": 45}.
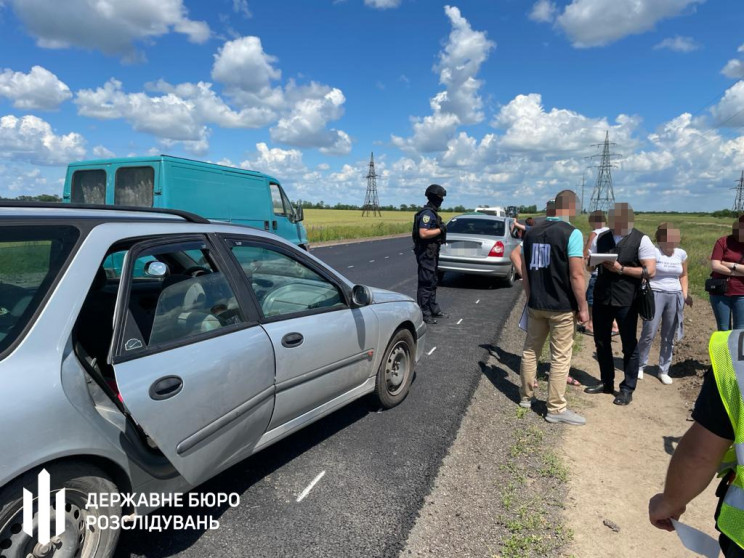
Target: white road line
{"x": 386, "y": 257}
{"x": 371, "y": 261}
{"x": 400, "y": 253}
{"x": 349, "y": 266}
{"x": 459, "y": 321}
{"x": 433, "y": 349}
{"x": 477, "y": 301}
{"x": 310, "y": 486}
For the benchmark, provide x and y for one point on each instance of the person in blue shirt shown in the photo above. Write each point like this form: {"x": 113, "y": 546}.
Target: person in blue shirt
{"x": 429, "y": 233}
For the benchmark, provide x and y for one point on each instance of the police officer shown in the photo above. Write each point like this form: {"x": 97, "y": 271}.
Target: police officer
{"x": 429, "y": 233}
{"x": 714, "y": 443}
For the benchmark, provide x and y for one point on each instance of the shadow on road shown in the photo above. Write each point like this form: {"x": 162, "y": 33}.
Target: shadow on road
{"x": 239, "y": 478}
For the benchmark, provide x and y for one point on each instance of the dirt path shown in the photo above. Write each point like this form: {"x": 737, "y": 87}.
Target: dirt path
{"x": 620, "y": 458}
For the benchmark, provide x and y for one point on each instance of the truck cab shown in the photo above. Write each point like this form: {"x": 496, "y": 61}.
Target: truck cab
{"x": 217, "y": 192}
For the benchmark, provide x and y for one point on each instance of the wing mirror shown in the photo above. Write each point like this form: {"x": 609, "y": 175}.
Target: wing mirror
{"x": 361, "y": 296}
{"x": 156, "y": 269}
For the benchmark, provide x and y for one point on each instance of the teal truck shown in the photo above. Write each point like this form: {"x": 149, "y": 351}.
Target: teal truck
{"x": 217, "y": 192}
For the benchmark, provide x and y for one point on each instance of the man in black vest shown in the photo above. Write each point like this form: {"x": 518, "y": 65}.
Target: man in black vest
{"x": 429, "y": 233}
{"x": 553, "y": 281}
{"x": 614, "y": 299}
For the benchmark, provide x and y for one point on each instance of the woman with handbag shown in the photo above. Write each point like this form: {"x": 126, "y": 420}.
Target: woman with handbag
{"x": 669, "y": 287}
{"x": 726, "y": 285}
{"x": 616, "y": 298}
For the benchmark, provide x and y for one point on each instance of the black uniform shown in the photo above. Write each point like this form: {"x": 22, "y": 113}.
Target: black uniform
{"x": 711, "y": 414}
{"x": 427, "y": 257}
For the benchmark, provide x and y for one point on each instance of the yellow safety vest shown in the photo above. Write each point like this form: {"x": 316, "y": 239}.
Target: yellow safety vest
{"x": 727, "y": 355}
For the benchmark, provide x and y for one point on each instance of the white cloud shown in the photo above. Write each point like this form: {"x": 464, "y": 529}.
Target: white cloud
{"x": 101, "y": 152}
{"x": 241, "y": 7}
{"x": 382, "y": 4}
{"x": 678, "y": 44}
{"x": 543, "y": 11}
{"x": 39, "y": 89}
{"x": 243, "y": 65}
{"x": 460, "y": 103}
{"x": 281, "y": 163}
{"x": 591, "y": 23}
{"x": 734, "y": 69}
{"x": 32, "y": 140}
{"x": 729, "y": 111}
{"x": 111, "y": 26}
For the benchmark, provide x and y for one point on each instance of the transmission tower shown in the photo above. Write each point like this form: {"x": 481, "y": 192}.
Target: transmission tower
{"x": 603, "y": 197}
{"x": 371, "y": 203}
{"x": 739, "y": 203}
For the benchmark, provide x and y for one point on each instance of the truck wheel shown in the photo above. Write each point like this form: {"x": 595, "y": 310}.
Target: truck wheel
{"x": 396, "y": 370}
{"x": 78, "y": 538}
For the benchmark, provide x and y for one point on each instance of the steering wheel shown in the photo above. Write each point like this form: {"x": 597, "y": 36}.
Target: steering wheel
{"x": 196, "y": 271}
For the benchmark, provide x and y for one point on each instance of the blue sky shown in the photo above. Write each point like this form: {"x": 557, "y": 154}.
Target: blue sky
{"x": 500, "y": 101}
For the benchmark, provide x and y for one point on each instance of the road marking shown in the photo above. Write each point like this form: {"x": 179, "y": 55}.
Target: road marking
{"x": 371, "y": 261}
{"x": 386, "y": 257}
{"x": 459, "y": 321}
{"x": 400, "y": 253}
{"x": 310, "y": 486}
{"x": 349, "y": 266}
{"x": 429, "y": 353}
{"x": 477, "y": 301}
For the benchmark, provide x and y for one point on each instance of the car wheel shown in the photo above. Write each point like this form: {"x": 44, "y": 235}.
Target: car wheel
{"x": 508, "y": 281}
{"x": 78, "y": 538}
{"x": 396, "y": 370}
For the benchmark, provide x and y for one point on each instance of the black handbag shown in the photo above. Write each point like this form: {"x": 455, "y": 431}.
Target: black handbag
{"x": 645, "y": 303}
{"x": 716, "y": 285}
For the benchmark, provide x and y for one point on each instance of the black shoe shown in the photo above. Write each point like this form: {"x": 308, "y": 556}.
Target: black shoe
{"x": 624, "y": 397}
{"x": 429, "y": 320}
{"x": 599, "y": 388}
{"x": 440, "y": 314}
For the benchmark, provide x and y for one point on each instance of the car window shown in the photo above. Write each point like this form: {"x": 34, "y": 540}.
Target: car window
{"x": 187, "y": 297}
{"x": 277, "y": 200}
{"x": 134, "y": 186}
{"x": 31, "y": 258}
{"x": 283, "y": 285}
{"x": 88, "y": 186}
{"x": 483, "y": 227}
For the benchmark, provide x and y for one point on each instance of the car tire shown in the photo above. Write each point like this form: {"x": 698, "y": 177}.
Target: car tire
{"x": 509, "y": 280}
{"x": 78, "y": 539}
{"x": 395, "y": 374}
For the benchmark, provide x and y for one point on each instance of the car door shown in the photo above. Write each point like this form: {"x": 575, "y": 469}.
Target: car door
{"x": 323, "y": 347}
{"x": 194, "y": 370}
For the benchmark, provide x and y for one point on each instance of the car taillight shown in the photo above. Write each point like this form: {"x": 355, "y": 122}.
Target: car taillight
{"x": 497, "y": 250}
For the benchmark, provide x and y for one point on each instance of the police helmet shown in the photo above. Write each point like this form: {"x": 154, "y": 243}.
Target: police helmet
{"x": 435, "y": 190}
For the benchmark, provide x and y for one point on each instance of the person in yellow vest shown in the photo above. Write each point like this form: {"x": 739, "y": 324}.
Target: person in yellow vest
{"x": 713, "y": 444}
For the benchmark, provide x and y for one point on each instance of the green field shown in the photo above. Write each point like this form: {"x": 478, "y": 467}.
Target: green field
{"x": 699, "y": 232}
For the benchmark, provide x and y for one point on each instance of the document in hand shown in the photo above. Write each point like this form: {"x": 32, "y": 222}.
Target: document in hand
{"x": 596, "y": 259}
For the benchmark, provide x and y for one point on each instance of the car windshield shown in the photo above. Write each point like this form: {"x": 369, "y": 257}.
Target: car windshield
{"x": 481, "y": 227}
{"x": 31, "y": 258}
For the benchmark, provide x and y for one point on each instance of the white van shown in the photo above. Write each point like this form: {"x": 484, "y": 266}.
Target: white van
{"x": 491, "y": 210}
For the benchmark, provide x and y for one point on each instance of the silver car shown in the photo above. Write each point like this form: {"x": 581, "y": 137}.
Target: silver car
{"x": 143, "y": 352}
{"x": 479, "y": 244}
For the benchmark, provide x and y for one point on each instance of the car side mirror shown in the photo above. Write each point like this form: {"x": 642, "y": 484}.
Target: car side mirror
{"x": 156, "y": 269}
{"x": 299, "y": 214}
{"x": 361, "y": 296}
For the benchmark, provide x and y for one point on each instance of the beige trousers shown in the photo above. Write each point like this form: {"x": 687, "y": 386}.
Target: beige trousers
{"x": 560, "y": 326}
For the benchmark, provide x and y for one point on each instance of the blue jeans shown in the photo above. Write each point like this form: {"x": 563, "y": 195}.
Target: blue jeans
{"x": 727, "y": 307}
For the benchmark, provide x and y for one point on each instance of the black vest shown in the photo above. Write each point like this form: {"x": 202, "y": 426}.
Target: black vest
{"x": 546, "y": 259}
{"x": 424, "y": 242}
{"x": 613, "y": 289}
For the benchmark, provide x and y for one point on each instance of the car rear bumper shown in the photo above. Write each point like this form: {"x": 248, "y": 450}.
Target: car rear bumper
{"x": 500, "y": 268}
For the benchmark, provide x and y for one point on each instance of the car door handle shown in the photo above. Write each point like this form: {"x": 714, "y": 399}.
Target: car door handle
{"x": 292, "y": 340}
{"x": 166, "y": 387}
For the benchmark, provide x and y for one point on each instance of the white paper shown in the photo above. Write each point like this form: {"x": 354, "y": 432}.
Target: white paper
{"x": 596, "y": 259}
{"x": 697, "y": 541}
{"x": 523, "y": 319}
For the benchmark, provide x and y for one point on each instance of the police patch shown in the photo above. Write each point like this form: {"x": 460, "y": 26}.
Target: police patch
{"x": 426, "y": 219}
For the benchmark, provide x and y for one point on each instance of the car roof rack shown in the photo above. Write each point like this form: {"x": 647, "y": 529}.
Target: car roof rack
{"x": 186, "y": 215}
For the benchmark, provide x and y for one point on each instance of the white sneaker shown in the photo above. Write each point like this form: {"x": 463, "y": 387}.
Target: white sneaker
{"x": 640, "y": 373}
{"x": 665, "y": 379}
{"x": 567, "y": 417}
{"x": 526, "y": 403}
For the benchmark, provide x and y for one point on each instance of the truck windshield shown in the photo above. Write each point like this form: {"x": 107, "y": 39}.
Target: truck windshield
{"x": 31, "y": 258}
{"x": 88, "y": 186}
{"x": 134, "y": 186}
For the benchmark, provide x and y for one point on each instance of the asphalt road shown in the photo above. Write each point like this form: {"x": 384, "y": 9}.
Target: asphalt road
{"x": 377, "y": 466}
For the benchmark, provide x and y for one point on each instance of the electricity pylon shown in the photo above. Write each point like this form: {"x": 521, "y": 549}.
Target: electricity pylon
{"x": 371, "y": 203}
{"x": 603, "y": 197}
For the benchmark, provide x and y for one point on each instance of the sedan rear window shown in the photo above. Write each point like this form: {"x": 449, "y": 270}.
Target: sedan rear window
{"x": 480, "y": 227}
{"x": 30, "y": 261}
